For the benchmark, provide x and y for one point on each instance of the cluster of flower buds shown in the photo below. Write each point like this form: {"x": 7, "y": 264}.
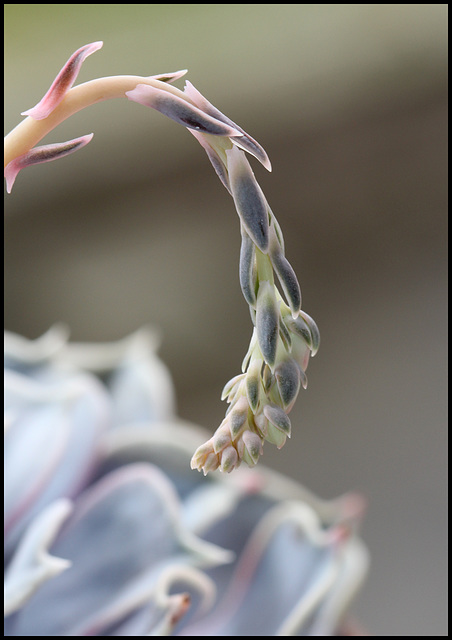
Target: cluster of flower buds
{"x": 274, "y": 368}
{"x": 284, "y": 336}
{"x": 261, "y": 397}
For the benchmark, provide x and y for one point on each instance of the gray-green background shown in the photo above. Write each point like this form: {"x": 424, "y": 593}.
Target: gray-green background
{"x": 350, "y": 102}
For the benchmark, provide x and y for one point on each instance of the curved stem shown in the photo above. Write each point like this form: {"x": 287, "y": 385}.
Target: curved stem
{"x": 29, "y": 132}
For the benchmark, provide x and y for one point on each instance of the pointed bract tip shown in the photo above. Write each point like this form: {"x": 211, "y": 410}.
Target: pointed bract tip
{"x": 179, "y": 110}
{"x": 62, "y": 83}
{"x": 170, "y": 77}
{"x": 44, "y": 153}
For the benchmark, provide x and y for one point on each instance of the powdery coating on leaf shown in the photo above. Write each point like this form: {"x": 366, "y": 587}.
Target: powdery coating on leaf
{"x": 247, "y": 268}
{"x": 278, "y": 418}
{"x": 267, "y": 322}
{"x": 44, "y": 153}
{"x": 63, "y": 439}
{"x": 288, "y": 379}
{"x": 215, "y": 160}
{"x": 292, "y": 565}
{"x": 245, "y": 141}
{"x": 122, "y": 529}
{"x": 249, "y": 200}
{"x": 315, "y": 334}
{"x": 62, "y": 83}
{"x": 132, "y": 571}
{"x": 32, "y": 564}
{"x": 288, "y": 281}
{"x": 179, "y": 110}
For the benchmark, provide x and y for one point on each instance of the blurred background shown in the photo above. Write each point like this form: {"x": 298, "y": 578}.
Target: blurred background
{"x": 350, "y": 102}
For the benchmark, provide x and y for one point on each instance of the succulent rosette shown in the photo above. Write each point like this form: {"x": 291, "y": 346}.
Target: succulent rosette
{"x": 109, "y": 532}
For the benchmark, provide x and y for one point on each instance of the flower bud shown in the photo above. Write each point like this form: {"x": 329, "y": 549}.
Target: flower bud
{"x": 252, "y": 448}
{"x": 247, "y": 269}
{"x": 267, "y": 321}
{"x": 279, "y": 426}
{"x": 287, "y": 375}
{"x": 229, "y": 459}
{"x": 221, "y": 437}
{"x": 249, "y": 200}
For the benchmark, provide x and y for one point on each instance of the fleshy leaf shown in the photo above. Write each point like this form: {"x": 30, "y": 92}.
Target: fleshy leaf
{"x": 170, "y": 77}
{"x": 215, "y": 160}
{"x": 31, "y": 564}
{"x": 245, "y": 141}
{"x": 134, "y": 509}
{"x": 179, "y": 110}
{"x": 252, "y": 448}
{"x": 62, "y": 83}
{"x": 254, "y": 384}
{"x": 288, "y": 281}
{"x": 315, "y": 334}
{"x": 229, "y": 459}
{"x": 278, "y": 418}
{"x": 247, "y": 269}
{"x": 249, "y": 200}
{"x": 287, "y": 375}
{"x": 267, "y": 321}
{"x": 44, "y": 153}
{"x": 21, "y": 352}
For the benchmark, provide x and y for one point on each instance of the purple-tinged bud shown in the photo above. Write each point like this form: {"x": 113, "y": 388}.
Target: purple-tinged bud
{"x": 249, "y": 200}
{"x": 229, "y": 460}
{"x": 215, "y": 160}
{"x": 245, "y": 141}
{"x": 247, "y": 269}
{"x": 62, "y": 83}
{"x": 254, "y": 384}
{"x": 267, "y": 378}
{"x": 252, "y": 448}
{"x": 261, "y": 424}
{"x": 211, "y": 463}
{"x": 304, "y": 327}
{"x": 284, "y": 334}
{"x": 179, "y": 110}
{"x": 231, "y": 387}
{"x": 204, "y": 459}
{"x": 280, "y": 421}
{"x": 45, "y": 153}
{"x": 315, "y": 333}
{"x": 267, "y": 321}
{"x": 287, "y": 375}
{"x": 221, "y": 438}
{"x": 288, "y": 281}
{"x": 237, "y": 417}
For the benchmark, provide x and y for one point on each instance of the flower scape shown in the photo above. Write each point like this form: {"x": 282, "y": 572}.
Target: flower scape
{"x": 107, "y": 529}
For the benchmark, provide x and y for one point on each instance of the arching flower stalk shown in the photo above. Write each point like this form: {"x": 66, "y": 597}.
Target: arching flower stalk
{"x": 108, "y": 532}
{"x": 284, "y": 336}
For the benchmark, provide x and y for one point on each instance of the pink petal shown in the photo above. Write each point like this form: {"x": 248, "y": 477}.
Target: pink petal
{"x": 45, "y": 153}
{"x": 62, "y": 83}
